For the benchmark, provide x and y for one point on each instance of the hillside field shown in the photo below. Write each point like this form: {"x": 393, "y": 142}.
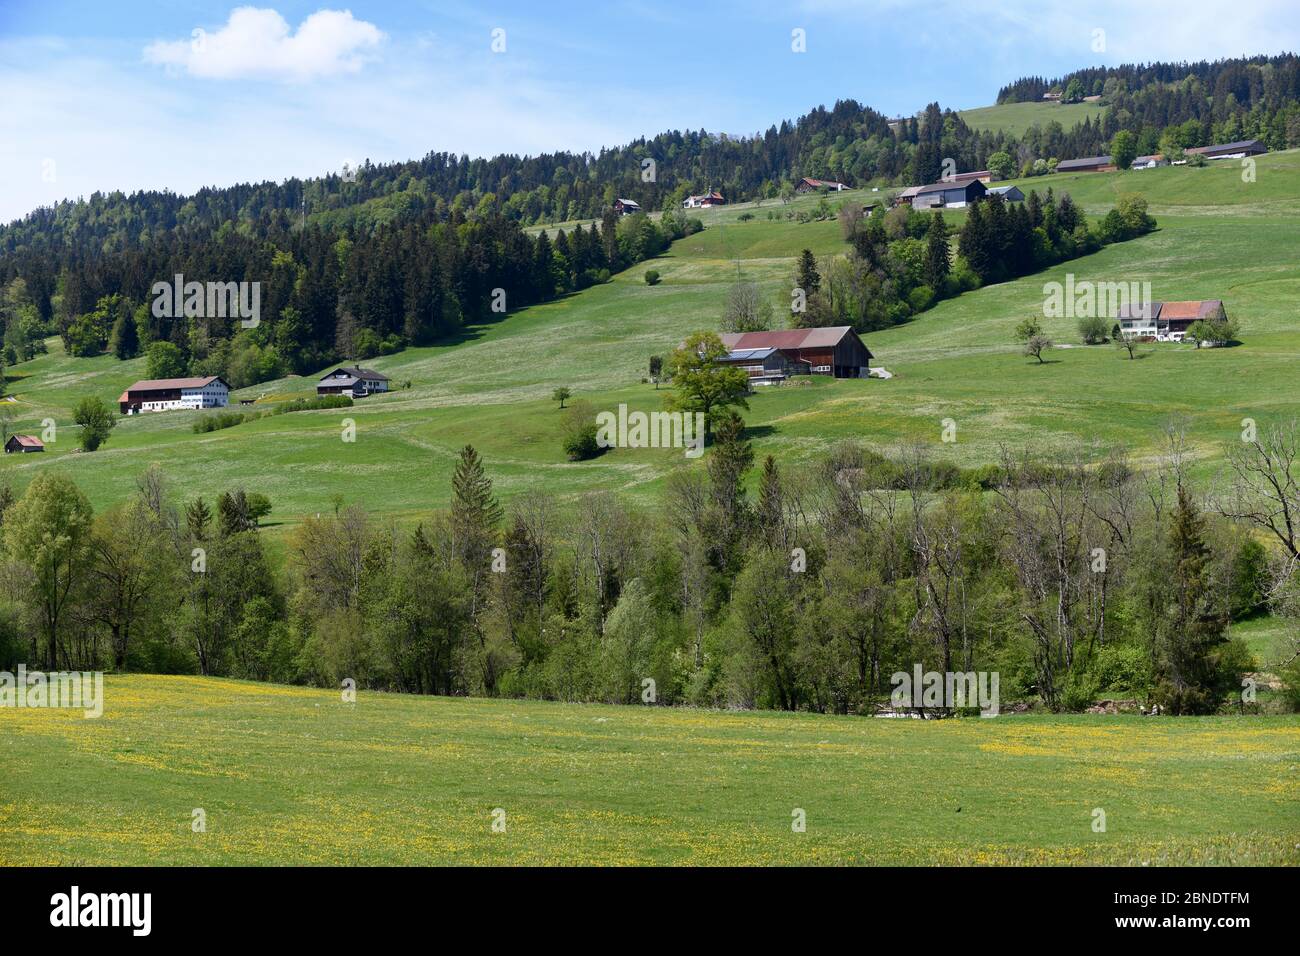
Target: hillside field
{"x": 1218, "y": 237}
{"x": 291, "y": 775}
{"x": 1017, "y": 117}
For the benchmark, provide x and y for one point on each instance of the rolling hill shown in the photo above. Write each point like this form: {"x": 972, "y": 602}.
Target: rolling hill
{"x": 1219, "y": 237}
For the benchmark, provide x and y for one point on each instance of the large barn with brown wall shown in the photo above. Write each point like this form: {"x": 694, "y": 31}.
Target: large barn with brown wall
{"x": 833, "y": 351}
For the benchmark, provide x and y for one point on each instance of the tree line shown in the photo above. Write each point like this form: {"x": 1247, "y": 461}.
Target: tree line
{"x": 754, "y": 585}
{"x": 324, "y": 296}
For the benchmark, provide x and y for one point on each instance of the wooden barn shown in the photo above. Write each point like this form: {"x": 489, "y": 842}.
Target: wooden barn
{"x": 833, "y": 351}
{"x": 23, "y": 444}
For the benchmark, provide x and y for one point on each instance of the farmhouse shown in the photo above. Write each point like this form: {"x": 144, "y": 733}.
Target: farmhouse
{"x": 773, "y": 356}
{"x": 1009, "y": 193}
{"x": 983, "y": 175}
{"x": 1089, "y": 164}
{"x": 23, "y": 444}
{"x": 163, "y": 394}
{"x": 705, "y": 201}
{"x": 625, "y": 207}
{"x": 951, "y": 195}
{"x": 1237, "y": 150}
{"x": 807, "y": 185}
{"x": 1167, "y": 321}
{"x": 1150, "y": 162}
{"x": 352, "y": 380}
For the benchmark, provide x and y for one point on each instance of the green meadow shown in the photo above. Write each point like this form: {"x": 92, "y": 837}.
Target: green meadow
{"x": 1018, "y": 117}
{"x": 1218, "y": 237}
{"x": 290, "y": 775}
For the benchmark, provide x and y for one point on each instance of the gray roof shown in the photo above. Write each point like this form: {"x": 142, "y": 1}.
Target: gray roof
{"x": 1086, "y": 161}
{"x": 356, "y": 371}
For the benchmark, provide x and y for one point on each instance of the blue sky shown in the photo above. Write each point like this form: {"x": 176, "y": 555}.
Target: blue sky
{"x": 147, "y": 94}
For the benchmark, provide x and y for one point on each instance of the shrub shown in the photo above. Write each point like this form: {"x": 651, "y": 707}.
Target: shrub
{"x": 1093, "y": 330}
{"x": 580, "y": 443}
{"x": 652, "y": 277}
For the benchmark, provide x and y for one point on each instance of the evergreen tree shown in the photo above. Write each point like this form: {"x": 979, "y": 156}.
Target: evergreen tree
{"x": 936, "y": 253}
{"x": 1194, "y": 671}
{"x": 806, "y": 276}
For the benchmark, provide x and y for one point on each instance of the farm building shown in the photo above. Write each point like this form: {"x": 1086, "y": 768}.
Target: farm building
{"x": 625, "y": 207}
{"x": 1237, "y": 150}
{"x": 983, "y": 175}
{"x": 704, "y": 202}
{"x": 807, "y": 185}
{"x": 773, "y": 356}
{"x": 1009, "y": 193}
{"x": 906, "y": 196}
{"x": 951, "y": 195}
{"x": 23, "y": 444}
{"x": 1089, "y": 164}
{"x": 1167, "y": 321}
{"x": 164, "y": 394}
{"x": 1150, "y": 162}
{"x": 352, "y": 380}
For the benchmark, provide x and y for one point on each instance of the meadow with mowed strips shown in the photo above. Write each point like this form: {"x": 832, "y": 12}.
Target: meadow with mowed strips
{"x": 287, "y": 773}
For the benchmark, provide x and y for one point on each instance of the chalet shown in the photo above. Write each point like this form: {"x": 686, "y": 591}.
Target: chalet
{"x": 1054, "y": 97}
{"x": 625, "y": 207}
{"x": 807, "y": 185}
{"x": 906, "y": 196}
{"x": 950, "y": 195}
{"x": 164, "y": 394}
{"x": 1089, "y": 164}
{"x": 774, "y": 356}
{"x": 983, "y": 175}
{"x": 1150, "y": 162}
{"x": 23, "y": 444}
{"x": 704, "y": 201}
{"x": 352, "y": 380}
{"x": 1009, "y": 193}
{"x": 1167, "y": 321}
{"x": 1237, "y": 150}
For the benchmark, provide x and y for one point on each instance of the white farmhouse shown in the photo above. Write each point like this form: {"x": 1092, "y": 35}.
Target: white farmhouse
{"x": 164, "y": 394}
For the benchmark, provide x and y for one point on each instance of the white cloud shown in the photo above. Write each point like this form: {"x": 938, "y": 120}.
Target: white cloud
{"x": 258, "y": 44}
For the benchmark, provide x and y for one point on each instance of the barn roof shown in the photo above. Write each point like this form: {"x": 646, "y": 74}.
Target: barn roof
{"x": 788, "y": 338}
{"x": 168, "y": 384}
{"x": 942, "y": 187}
{"x": 1068, "y": 164}
{"x": 27, "y": 441}
{"x": 1188, "y": 309}
{"x": 1239, "y": 144}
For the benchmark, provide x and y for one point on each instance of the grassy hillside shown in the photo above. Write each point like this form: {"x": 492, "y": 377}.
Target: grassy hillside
{"x": 288, "y": 775}
{"x": 1018, "y": 117}
{"x": 1219, "y": 237}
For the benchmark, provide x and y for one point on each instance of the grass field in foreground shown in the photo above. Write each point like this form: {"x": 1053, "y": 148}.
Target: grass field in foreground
{"x": 291, "y": 775}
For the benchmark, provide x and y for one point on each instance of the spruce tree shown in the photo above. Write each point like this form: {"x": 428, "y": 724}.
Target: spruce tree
{"x": 936, "y": 253}
{"x": 806, "y": 274}
{"x": 1192, "y": 675}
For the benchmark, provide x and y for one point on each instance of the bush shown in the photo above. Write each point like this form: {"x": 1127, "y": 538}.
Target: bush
{"x": 220, "y": 420}
{"x": 652, "y": 277}
{"x": 580, "y": 443}
{"x": 1093, "y": 330}
{"x": 920, "y": 298}
{"x": 1122, "y": 668}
